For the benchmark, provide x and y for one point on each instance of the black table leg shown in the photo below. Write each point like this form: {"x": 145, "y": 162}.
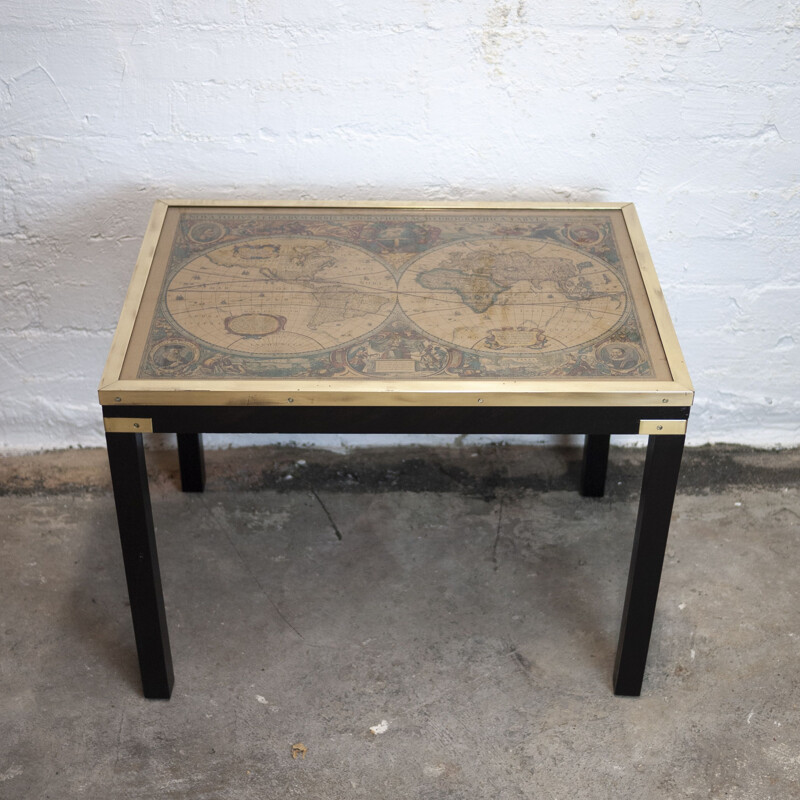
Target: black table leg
{"x": 661, "y": 468}
{"x": 192, "y": 462}
{"x": 595, "y": 464}
{"x": 135, "y": 517}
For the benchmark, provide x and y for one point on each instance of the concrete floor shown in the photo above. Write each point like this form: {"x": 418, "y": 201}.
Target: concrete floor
{"x": 469, "y": 610}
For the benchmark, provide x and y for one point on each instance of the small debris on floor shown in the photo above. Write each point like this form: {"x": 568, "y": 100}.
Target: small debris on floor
{"x": 299, "y": 749}
{"x": 381, "y": 727}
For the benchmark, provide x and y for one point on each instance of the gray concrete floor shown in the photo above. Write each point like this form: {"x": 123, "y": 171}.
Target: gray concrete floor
{"x": 470, "y": 608}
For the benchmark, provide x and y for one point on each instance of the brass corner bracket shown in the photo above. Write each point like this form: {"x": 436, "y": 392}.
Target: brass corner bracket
{"x": 128, "y": 424}
{"x": 662, "y": 427}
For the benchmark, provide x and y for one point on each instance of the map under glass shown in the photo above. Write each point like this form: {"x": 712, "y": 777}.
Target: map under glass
{"x": 326, "y": 293}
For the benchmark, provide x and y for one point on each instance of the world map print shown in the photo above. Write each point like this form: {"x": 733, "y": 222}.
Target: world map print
{"x": 392, "y": 295}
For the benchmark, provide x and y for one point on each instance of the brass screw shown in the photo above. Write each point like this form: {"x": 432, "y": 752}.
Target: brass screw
{"x": 135, "y": 424}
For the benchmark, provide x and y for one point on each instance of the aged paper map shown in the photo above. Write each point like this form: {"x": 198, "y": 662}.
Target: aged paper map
{"x": 329, "y": 293}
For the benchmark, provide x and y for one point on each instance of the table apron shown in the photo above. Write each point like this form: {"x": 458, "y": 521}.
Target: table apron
{"x": 396, "y": 420}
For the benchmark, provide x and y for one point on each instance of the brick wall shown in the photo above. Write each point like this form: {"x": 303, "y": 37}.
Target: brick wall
{"x": 689, "y": 109}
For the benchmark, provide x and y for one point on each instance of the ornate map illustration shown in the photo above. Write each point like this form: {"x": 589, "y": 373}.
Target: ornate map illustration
{"x": 317, "y": 293}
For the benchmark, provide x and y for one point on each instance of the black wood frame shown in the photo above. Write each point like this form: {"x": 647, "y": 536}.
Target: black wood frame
{"x": 132, "y": 496}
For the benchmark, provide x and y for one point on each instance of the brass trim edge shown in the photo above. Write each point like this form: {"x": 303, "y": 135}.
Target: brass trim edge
{"x": 399, "y": 205}
{"x": 655, "y": 296}
{"x": 255, "y": 393}
{"x": 133, "y": 298}
{"x": 662, "y": 427}
{"x": 128, "y": 425}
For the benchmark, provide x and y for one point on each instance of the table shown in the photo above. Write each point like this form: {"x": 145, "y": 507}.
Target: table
{"x": 394, "y": 318}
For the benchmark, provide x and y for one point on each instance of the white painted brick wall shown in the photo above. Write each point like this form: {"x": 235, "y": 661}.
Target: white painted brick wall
{"x": 689, "y": 108}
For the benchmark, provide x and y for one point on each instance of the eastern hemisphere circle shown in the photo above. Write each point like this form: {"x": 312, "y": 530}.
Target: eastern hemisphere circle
{"x": 513, "y": 296}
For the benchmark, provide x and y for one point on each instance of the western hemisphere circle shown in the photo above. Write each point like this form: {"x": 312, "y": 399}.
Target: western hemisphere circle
{"x": 281, "y": 295}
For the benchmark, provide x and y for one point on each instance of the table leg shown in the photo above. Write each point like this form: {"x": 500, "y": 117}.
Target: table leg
{"x": 661, "y": 468}
{"x": 192, "y": 462}
{"x": 595, "y": 464}
{"x": 135, "y": 518}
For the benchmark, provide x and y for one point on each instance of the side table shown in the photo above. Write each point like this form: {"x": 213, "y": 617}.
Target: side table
{"x": 394, "y": 318}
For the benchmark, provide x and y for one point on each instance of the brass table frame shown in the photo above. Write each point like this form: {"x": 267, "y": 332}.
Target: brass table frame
{"x": 594, "y": 408}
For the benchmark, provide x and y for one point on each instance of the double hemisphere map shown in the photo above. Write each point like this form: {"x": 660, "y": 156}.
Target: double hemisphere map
{"x": 328, "y": 294}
